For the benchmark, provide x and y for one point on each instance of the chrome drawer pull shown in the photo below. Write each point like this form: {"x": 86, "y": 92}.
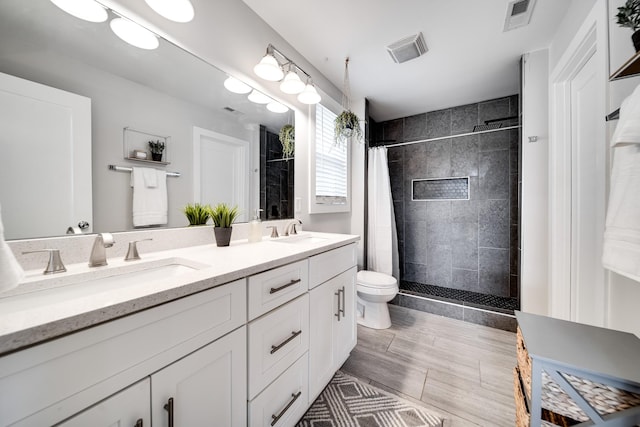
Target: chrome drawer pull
{"x": 291, "y": 283}
{"x": 138, "y": 423}
{"x": 169, "y": 408}
{"x": 276, "y": 418}
{"x": 275, "y": 348}
{"x": 341, "y": 310}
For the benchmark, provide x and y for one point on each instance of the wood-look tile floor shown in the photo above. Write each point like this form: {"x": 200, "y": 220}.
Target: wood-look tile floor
{"x": 460, "y": 370}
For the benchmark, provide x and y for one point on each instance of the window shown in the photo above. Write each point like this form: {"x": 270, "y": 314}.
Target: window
{"x": 331, "y": 166}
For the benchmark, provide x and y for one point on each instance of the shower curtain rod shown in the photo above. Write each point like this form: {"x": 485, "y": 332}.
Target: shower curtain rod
{"x": 449, "y": 137}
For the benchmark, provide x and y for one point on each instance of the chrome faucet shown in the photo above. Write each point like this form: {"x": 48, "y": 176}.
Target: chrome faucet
{"x": 98, "y": 254}
{"x": 291, "y": 227}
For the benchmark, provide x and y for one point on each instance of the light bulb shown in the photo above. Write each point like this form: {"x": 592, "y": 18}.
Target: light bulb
{"x": 276, "y": 107}
{"x": 174, "y": 10}
{"x": 309, "y": 95}
{"x": 134, "y": 34}
{"x": 259, "y": 98}
{"x": 236, "y": 86}
{"x": 89, "y": 10}
{"x": 292, "y": 83}
{"x": 269, "y": 69}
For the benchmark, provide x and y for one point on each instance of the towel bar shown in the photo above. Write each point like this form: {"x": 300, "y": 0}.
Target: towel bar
{"x": 128, "y": 169}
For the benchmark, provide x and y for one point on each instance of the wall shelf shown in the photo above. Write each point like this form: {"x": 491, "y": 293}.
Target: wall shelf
{"x": 155, "y": 162}
{"x": 134, "y": 139}
{"x": 628, "y": 69}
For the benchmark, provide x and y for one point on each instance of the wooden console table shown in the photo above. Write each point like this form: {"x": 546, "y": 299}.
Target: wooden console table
{"x": 601, "y": 355}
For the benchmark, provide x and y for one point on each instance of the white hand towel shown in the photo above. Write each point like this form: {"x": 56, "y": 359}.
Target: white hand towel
{"x": 11, "y": 273}
{"x": 621, "y": 252}
{"x": 150, "y": 177}
{"x": 149, "y": 203}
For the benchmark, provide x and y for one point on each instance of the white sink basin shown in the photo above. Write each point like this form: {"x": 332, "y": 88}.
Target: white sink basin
{"x": 101, "y": 281}
{"x": 300, "y": 238}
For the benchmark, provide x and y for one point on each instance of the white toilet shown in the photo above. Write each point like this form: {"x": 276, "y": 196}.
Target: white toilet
{"x": 374, "y": 291}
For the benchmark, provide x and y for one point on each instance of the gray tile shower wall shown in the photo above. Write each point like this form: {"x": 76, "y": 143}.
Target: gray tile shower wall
{"x": 276, "y": 178}
{"x": 463, "y": 244}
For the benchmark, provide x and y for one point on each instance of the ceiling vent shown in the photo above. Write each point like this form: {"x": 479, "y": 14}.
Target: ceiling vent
{"x": 408, "y": 48}
{"x": 518, "y": 14}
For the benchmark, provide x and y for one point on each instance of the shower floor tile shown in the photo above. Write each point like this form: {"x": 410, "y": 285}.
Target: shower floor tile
{"x": 473, "y": 299}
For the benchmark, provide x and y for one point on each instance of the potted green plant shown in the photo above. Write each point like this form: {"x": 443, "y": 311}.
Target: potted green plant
{"x": 629, "y": 16}
{"x": 156, "y": 147}
{"x": 197, "y": 214}
{"x": 347, "y": 126}
{"x": 223, "y": 216}
{"x": 287, "y": 139}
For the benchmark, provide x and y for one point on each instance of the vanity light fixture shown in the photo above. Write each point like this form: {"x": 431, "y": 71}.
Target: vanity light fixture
{"x": 291, "y": 83}
{"x": 268, "y": 68}
{"x": 259, "y": 98}
{"x": 89, "y": 10}
{"x": 276, "y": 107}
{"x": 309, "y": 95}
{"x": 236, "y": 86}
{"x": 134, "y": 34}
{"x": 174, "y": 10}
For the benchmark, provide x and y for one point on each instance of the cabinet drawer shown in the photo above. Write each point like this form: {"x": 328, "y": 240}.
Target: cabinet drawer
{"x": 285, "y": 401}
{"x": 273, "y": 288}
{"x": 324, "y": 266}
{"x": 109, "y": 357}
{"x": 276, "y": 341}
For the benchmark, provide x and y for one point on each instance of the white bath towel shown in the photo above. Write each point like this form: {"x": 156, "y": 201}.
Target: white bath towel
{"x": 11, "y": 273}
{"x": 149, "y": 201}
{"x": 621, "y": 252}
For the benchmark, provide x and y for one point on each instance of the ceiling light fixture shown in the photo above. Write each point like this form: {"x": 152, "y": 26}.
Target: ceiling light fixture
{"x": 259, "y": 98}
{"x": 89, "y": 10}
{"x": 270, "y": 68}
{"x": 309, "y": 95}
{"x": 134, "y": 34}
{"x": 276, "y": 107}
{"x": 173, "y": 10}
{"x": 236, "y": 86}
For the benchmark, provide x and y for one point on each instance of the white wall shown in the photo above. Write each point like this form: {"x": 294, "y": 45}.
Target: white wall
{"x": 534, "y": 242}
{"x": 573, "y": 19}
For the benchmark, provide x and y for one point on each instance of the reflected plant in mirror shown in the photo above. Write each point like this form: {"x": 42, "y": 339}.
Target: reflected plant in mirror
{"x": 197, "y": 214}
{"x": 119, "y": 86}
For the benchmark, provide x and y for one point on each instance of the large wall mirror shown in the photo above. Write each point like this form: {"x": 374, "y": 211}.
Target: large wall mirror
{"x": 164, "y": 93}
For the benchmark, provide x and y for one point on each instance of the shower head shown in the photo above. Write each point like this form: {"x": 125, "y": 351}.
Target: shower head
{"x": 492, "y": 124}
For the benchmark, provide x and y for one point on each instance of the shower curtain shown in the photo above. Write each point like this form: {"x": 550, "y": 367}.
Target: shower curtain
{"x": 382, "y": 252}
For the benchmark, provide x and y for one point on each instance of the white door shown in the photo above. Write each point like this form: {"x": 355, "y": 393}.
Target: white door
{"x": 128, "y": 408}
{"x": 206, "y": 388}
{"x": 587, "y": 198}
{"x": 221, "y": 170}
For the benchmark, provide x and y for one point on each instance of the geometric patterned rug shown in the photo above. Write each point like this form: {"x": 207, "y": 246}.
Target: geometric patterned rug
{"x": 346, "y": 402}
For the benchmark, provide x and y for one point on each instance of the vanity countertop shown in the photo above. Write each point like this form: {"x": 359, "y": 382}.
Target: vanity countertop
{"x": 39, "y": 310}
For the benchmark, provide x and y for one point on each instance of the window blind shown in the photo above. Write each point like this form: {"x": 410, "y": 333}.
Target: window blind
{"x": 331, "y": 161}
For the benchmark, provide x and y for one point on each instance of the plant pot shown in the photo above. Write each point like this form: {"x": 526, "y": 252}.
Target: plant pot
{"x": 156, "y": 157}
{"x": 223, "y": 235}
{"x": 635, "y": 38}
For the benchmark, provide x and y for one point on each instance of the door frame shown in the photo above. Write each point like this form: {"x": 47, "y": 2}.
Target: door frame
{"x": 589, "y": 43}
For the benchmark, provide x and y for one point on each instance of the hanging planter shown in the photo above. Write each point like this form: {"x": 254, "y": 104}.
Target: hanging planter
{"x": 347, "y": 124}
{"x": 629, "y": 16}
{"x": 287, "y": 139}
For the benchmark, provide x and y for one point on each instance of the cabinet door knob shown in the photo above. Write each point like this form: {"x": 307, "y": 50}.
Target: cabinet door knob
{"x": 275, "y": 348}
{"x": 276, "y": 418}
{"x": 169, "y": 408}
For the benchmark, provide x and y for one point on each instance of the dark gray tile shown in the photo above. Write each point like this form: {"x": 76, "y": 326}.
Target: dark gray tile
{"x": 396, "y": 179}
{"x": 438, "y": 234}
{"x": 494, "y": 109}
{"x": 493, "y": 224}
{"x": 415, "y": 272}
{"x": 493, "y": 141}
{"x": 494, "y": 320}
{"x": 439, "y": 159}
{"x": 494, "y": 271}
{"x": 474, "y": 192}
{"x": 464, "y": 118}
{"x": 395, "y": 154}
{"x": 415, "y": 127}
{"x": 392, "y": 131}
{"x": 414, "y": 210}
{"x": 465, "y": 279}
{"x": 415, "y": 242}
{"x": 430, "y": 306}
{"x": 438, "y": 123}
{"x": 514, "y": 105}
{"x": 514, "y": 285}
{"x": 464, "y": 211}
{"x": 514, "y": 252}
{"x": 398, "y": 210}
{"x": 464, "y": 245}
{"x": 514, "y": 155}
{"x": 415, "y": 161}
{"x": 464, "y": 156}
{"x": 439, "y": 265}
{"x": 513, "y": 199}
{"x": 438, "y": 212}
{"x": 494, "y": 175}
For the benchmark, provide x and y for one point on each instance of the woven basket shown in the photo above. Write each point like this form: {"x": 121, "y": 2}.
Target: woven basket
{"x": 524, "y": 362}
{"x": 523, "y": 418}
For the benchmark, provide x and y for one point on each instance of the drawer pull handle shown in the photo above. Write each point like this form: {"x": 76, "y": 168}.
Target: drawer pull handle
{"x": 275, "y": 348}
{"x": 341, "y": 310}
{"x": 138, "y": 423}
{"x": 276, "y": 418}
{"x": 291, "y": 283}
{"x": 169, "y": 408}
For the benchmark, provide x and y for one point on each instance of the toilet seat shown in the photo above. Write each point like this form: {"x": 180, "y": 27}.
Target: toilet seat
{"x": 375, "y": 280}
